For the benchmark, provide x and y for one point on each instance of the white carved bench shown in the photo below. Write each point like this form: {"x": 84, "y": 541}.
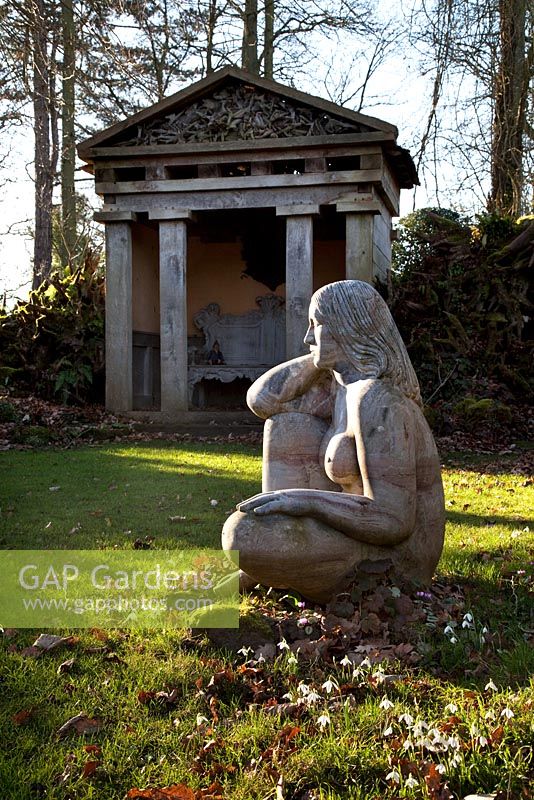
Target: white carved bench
{"x": 250, "y": 343}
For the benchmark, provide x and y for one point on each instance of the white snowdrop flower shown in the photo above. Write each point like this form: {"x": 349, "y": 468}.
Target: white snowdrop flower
{"x": 468, "y": 617}
{"x": 420, "y": 728}
{"x": 453, "y": 640}
{"x": 366, "y": 664}
{"x": 490, "y": 685}
{"x": 482, "y": 741}
{"x": 490, "y": 715}
{"x": 393, "y": 776}
{"x": 201, "y": 720}
{"x": 288, "y": 696}
{"x": 388, "y": 731}
{"x": 467, "y": 621}
{"x": 214, "y": 503}
{"x": 448, "y": 631}
{"x": 323, "y": 721}
{"x": 507, "y": 713}
{"x": 473, "y": 729}
{"x": 410, "y": 782}
{"x": 283, "y": 645}
{"x": 292, "y": 659}
{"x": 261, "y": 659}
{"x": 441, "y": 768}
{"x": 245, "y": 651}
{"x": 312, "y": 697}
{"x": 452, "y": 708}
{"x": 395, "y": 591}
{"x": 386, "y": 704}
{"x": 329, "y": 685}
{"x": 345, "y": 662}
{"x": 456, "y": 760}
{"x": 407, "y": 719}
{"x": 407, "y": 744}
{"x": 484, "y": 631}
{"x": 379, "y": 677}
{"x": 453, "y": 742}
{"x": 303, "y": 689}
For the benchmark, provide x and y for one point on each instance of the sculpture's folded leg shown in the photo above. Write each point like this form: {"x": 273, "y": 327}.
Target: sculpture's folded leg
{"x": 297, "y": 553}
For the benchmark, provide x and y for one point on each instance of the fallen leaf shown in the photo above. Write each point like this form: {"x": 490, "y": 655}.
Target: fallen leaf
{"x": 81, "y": 724}
{"x": 89, "y": 768}
{"x": 22, "y": 717}
{"x": 49, "y": 641}
{"x": 177, "y": 792}
{"x": 65, "y": 666}
{"x": 92, "y": 748}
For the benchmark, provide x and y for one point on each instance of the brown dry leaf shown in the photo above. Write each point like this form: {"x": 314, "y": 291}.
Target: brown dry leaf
{"x": 89, "y": 768}
{"x": 22, "y": 717}
{"x": 81, "y": 724}
{"x": 29, "y": 652}
{"x": 178, "y": 791}
{"x": 65, "y": 666}
{"x": 146, "y": 697}
{"x": 49, "y": 641}
{"x": 100, "y": 634}
{"x": 370, "y": 623}
{"x": 92, "y": 748}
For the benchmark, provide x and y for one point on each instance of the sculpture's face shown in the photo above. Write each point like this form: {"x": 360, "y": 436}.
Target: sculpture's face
{"x": 323, "y": 347}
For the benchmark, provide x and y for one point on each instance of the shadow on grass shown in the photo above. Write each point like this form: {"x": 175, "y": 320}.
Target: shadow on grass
{"x": 486, "y": 520}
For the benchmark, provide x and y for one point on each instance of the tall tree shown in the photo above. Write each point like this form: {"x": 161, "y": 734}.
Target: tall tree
{"x": 68, "y": 144}
{"x": 481, "y": 54}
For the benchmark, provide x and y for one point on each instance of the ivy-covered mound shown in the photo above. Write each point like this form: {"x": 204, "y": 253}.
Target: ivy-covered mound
{"x": 463, "y": 304}
{"x": 53, "y": 345}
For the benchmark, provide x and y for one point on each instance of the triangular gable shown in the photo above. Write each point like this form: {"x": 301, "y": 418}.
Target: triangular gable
{"x": 233, "y": 105}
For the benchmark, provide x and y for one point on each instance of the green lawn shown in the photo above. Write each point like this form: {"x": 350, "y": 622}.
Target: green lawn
{"x": 455, "y": 722}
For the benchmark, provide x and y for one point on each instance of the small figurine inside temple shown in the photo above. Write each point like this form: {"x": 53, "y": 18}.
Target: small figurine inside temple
{"x": 215, "y": 355}
{"x": 351, "y": 474}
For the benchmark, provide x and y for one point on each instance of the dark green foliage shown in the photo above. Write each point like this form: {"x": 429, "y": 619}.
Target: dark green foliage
{"x": 460, "y": 300}
{"x": 53, "y": 344}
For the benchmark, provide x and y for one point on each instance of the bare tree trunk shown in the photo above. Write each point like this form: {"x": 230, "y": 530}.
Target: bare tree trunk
{"x": 268, "y": 46}
{"x": 42, "y": 259}
{"x": 249, "y": 54}
{"x": 212, "y": 23}
{"x": 511, "y": 90}
{"x": 68, "y": 152}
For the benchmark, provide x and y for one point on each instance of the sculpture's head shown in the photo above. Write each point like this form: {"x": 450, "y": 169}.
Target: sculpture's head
{"x": 361, "y": 323}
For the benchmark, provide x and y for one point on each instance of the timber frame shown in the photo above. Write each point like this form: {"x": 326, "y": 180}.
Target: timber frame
{"x": 162, "y": 168}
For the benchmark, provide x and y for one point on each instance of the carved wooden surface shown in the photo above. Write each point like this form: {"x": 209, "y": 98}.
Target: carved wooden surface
{"x": 236, "y": 113}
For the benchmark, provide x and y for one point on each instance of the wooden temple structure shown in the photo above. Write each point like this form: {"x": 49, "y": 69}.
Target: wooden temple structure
{"x": 226, "y": 206}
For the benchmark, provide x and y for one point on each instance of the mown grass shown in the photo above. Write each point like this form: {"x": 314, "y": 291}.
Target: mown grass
{"x": 355, "y": 739}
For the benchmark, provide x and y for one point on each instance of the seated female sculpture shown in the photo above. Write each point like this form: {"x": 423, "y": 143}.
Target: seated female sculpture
{"x": 351, "y": 473}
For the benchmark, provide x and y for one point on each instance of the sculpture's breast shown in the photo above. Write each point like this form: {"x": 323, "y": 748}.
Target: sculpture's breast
{"x": 340, "y": 462}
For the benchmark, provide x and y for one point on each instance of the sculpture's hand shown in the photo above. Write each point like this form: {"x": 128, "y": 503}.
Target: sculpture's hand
{"x": 279, "y": 502}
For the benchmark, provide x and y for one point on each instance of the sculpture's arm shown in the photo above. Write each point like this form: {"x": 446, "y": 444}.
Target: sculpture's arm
{"x": 385, "y": 514}
{"x": 295, "y": 385}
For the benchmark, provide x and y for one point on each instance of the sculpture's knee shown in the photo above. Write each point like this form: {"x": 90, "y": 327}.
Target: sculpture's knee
{"x": 236, "y": 531}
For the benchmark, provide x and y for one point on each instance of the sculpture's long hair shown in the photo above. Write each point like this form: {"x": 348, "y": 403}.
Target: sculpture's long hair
{"x": 362, "y": 325}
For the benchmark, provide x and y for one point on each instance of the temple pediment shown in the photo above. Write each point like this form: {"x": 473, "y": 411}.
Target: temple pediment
{"x": 232, "y": 105}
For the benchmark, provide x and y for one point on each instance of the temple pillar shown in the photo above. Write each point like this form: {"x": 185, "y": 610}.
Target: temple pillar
{"x": 299, "y": 274}
{"x": 359, "y": 247}
{"x": 173, "y": 308}
{"x": 119, "y": 388}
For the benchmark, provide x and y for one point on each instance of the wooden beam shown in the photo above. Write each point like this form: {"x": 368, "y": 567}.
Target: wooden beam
{"x": 247, "y": 182}
{"x": 290, "y": 142}
{"x": 133, "y": 159}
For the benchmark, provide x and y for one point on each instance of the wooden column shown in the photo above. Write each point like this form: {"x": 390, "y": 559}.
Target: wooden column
{"x": 119, "y": 390}
{"x": 359, "y": 247}
{"x": 299, "y": 274}
{"x": 173, "y": 308}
